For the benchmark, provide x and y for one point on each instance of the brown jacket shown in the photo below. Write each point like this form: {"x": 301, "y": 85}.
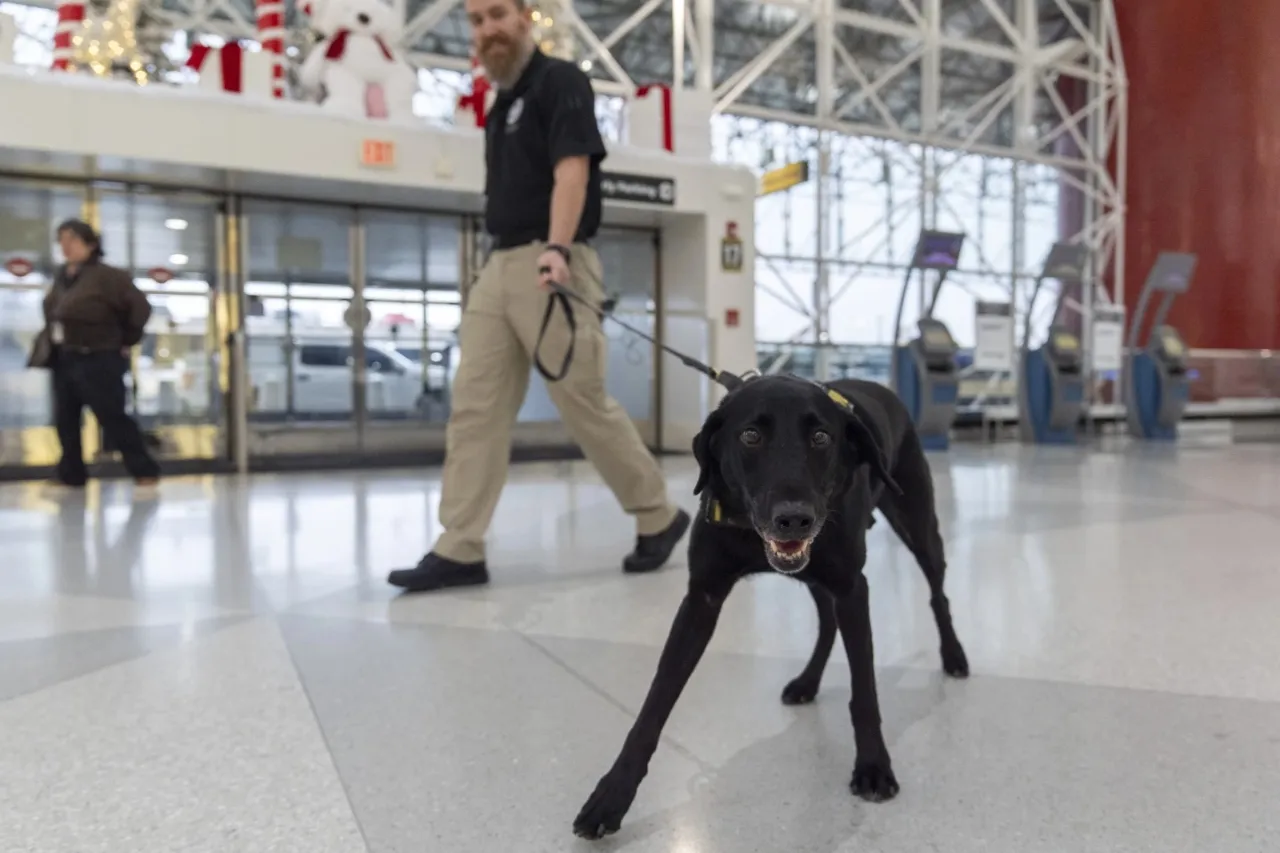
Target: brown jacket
{"x": 100, "y": 308}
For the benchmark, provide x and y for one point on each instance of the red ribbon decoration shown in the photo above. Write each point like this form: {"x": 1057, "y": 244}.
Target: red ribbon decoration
{"x": 338, "y": 46}
{"x": 231, "y": 60}
{"x": 232, "y": 56}
{"x": 668, "y": 132}
{"x": 479, "y": 94}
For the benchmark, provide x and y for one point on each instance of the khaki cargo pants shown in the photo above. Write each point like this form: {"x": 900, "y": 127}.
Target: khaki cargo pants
{"x": 500, "y": 326}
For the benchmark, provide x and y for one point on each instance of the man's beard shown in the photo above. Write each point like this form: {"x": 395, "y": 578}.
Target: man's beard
{"x": 501, "y": 64}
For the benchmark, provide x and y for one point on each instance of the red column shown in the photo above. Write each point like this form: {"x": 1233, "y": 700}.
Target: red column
{"x": 1204, "y": 161}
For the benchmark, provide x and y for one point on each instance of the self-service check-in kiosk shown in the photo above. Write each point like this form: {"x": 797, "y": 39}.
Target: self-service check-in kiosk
{"x": 924, "y": 371}
{"x": 1051, "y": 393}
{"x": 1156, "y": 382}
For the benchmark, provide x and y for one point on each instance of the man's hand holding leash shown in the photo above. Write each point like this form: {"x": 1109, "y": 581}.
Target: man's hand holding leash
{"x": 553, "y": 266}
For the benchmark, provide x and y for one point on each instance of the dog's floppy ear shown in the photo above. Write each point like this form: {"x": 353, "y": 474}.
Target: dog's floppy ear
{"x": 867, "y": 443}
{"x": 702, "y": 451}
{"x": 864, "y": 439}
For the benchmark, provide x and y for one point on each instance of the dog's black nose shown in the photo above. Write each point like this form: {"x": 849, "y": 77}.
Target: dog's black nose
{"x": 793, "y": 518}
{"x": 363, "y": 19}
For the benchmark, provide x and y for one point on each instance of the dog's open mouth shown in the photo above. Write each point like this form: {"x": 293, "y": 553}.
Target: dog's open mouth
{"x": 787, "y": 555}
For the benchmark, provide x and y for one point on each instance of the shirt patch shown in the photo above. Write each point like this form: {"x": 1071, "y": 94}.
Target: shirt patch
{"x": 513, "y": 114}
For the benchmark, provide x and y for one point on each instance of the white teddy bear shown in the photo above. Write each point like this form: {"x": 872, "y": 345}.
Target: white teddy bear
{"x": 356, "y": 63}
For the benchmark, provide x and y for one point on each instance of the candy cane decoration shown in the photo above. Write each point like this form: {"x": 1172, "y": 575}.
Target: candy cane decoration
{"x": 271, "y": 37}
{"x": 70, "y": 21}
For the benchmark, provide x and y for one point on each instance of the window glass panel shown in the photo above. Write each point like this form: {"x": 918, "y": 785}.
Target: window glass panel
{"x": 29, "y": 213}
{"x": 444, "y": 241}
{"x": 324, "y": 356}
{"x": 299, "y": 242}
{"x": 395, "y": 246}
{"x": 629, "y": 262}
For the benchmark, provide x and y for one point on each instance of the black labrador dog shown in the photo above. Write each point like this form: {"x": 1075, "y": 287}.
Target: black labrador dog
{"x": 790, "y": 473}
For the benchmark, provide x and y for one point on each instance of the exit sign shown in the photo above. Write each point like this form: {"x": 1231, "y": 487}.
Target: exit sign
{"x": 379, "y": 153}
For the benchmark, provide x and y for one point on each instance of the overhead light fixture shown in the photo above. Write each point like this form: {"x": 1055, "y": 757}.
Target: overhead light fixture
{"x": 586, "y": 65}
{"x": 178, "y": 260}
{"x": 176, "y": 224}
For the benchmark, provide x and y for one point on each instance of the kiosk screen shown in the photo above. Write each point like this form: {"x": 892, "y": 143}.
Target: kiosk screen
{"x": 938, "y": 250}
{"x": 936, "y": 338}
{"x": 1171, "y": 345}
{"x": 1066, "y": 342}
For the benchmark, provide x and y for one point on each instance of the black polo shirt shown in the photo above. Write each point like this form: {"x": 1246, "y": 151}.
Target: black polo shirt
{"x": 548, "y": 115}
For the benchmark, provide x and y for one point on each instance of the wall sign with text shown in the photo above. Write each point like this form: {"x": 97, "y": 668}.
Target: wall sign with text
{"x": 1107, "y": 352}
{"x": 378, "y": 153}
{"x": 993, "y": 336}
{"x": 645, "y": 189}
{"x": 732, "y": 251}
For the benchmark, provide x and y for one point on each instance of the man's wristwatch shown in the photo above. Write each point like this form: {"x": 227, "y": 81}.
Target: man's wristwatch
{"x": 561, "y": 250}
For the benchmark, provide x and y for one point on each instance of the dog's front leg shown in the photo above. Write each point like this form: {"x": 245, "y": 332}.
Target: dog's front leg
{"x": 873, "y": 777}
{"x": 804, "y": 688}
{"x": 694, "y": 624}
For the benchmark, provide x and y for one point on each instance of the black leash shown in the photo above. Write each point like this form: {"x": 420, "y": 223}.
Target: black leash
{"x": 564, "y": 297}
{"x": 731, "y": 381}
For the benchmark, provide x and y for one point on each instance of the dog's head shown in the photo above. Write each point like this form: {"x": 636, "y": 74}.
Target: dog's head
{"x": 782, "y": 450}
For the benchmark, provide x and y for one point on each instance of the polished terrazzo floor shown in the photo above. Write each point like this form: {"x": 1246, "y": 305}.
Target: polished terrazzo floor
{"x": 225, "y": 670}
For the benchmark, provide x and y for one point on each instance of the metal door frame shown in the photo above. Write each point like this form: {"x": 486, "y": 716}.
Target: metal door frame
{"x": 659, "y": 332}
{"x": 359, "y": 364}
{"x": 233, "y": 366}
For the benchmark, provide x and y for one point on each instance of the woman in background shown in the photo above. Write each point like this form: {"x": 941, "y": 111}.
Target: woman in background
{"x": 93, "y": 314}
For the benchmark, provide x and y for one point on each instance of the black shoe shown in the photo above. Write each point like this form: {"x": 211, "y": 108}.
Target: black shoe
{"x": 435, "y": 572}
{"x": 655, "y": 549}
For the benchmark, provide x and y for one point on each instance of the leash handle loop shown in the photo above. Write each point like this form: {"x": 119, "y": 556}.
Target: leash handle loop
{"x": 556, "y": 297}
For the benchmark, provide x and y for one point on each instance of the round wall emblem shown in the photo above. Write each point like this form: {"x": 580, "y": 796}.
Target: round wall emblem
{"x": 19, "y": 267}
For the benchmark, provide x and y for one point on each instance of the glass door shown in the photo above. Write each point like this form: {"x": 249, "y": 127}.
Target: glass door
{"x": 630, "y": 261}
{"x": 168, "y": 241}
{"x": 629, "y": 258}
{"x": 29, "y": 213}
{"x": 301, "y": 325}
{"x": 351, "y": 326}
{"x": 412, "y": 275}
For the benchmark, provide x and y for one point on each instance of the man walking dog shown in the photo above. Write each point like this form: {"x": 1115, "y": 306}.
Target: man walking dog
{"x": 542, "y": 207}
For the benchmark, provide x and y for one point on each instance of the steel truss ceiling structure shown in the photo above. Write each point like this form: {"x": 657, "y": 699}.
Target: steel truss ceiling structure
{"x": 952, "y": 72}
{"x": 899, "y": 68}
{"x": 1033, "y": 81}
{"x": 1036, "y": 80}
{"x": 978, "y": 75}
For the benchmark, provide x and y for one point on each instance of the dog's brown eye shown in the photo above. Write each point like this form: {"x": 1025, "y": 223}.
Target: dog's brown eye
{"x": 821, "y": 438}
{"x": 750, "y": 437}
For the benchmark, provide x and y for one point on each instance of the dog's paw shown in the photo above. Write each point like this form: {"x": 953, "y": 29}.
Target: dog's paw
{"x": 801, "y": 691}
{"x": 602, "y": 814}
{"x": 954, "y": 661}
{"x": 874, "y": 781}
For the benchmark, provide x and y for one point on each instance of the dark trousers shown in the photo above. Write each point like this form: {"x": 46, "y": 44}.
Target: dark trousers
{"x": 95, "y": 380}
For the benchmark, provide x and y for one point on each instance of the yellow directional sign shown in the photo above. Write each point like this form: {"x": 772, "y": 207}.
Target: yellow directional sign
{"x": 784, "y": 177}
